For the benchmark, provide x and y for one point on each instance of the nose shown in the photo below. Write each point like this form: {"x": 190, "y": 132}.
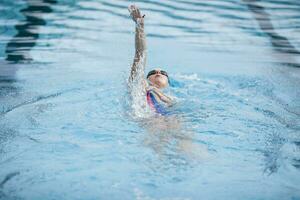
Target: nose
{"x": 157, "y": 72}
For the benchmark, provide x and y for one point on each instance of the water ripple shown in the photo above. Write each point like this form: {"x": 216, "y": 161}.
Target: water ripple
{"x": 64, "y": 115}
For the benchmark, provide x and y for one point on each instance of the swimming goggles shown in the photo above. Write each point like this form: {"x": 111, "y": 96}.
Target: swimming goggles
{"x": 162, "y": 72}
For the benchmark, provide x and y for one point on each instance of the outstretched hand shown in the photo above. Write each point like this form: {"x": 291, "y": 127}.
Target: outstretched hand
{"x": 135, "y": 14}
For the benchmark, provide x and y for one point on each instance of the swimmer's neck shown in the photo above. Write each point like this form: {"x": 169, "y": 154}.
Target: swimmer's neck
{"x": 155, "y": 86}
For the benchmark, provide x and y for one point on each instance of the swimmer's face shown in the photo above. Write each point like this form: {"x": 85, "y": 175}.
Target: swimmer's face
{"x": 158, "y": 78}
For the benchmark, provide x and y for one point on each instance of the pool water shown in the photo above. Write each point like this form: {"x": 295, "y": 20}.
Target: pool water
{"x": 68, "y": 129}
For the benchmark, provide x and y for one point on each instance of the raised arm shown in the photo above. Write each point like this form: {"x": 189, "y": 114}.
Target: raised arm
{"x": 139, "y": 62}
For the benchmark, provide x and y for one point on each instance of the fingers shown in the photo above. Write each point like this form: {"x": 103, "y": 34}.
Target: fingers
{"x": 134, "y": 11}
{"x": 131, "y": 8}
{"x": 138, "y": 12}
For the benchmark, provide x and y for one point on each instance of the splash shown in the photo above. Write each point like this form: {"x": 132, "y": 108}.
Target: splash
{"x": 137, "y": 93}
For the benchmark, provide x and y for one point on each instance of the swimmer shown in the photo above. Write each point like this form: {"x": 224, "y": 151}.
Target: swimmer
{"x": 163, "y": 131}
{"x": 156, "y": 79}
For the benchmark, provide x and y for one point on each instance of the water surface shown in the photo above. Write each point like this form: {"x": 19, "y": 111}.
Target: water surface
{"x": 66, "y": 128}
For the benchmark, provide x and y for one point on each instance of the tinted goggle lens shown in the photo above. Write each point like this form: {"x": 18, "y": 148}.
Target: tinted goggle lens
{"x": 152, "y": 72}
{"x": 164, "y": 73}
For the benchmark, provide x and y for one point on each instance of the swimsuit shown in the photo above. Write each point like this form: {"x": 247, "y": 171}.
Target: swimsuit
{"x": 155, "y": 102}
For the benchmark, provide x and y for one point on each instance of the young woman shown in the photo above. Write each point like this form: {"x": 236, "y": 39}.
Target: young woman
{"x": 156, "y": 79}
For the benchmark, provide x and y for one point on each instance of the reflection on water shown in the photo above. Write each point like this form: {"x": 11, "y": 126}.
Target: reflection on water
{"x": 280, "y": 43}
{"x": 17, "y": 51}
{"x": 18, "y": 48}
{"x": 173, "y": 142}
{"x": 236, "y": 127}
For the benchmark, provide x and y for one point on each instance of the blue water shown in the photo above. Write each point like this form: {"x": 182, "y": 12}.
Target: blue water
{"x": 68, "y": 131}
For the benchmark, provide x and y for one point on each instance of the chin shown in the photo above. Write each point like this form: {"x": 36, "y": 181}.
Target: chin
{"x": 159, "y": 83}
{"x": 162, "y": 85}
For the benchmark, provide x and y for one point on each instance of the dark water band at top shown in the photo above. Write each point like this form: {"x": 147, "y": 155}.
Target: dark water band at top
{"x": 17, "y": 50}
{"x": 279, "y": 43}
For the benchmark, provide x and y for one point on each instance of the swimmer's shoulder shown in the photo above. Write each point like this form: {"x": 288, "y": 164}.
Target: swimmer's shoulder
{"x": 163, "y": 97}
